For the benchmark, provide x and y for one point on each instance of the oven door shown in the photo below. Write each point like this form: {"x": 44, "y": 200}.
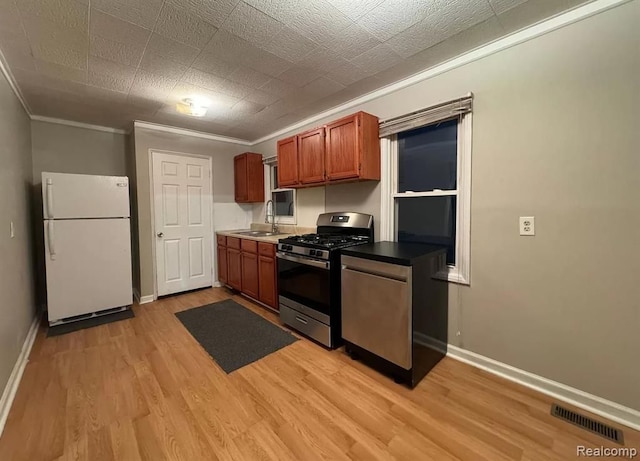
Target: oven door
{"x": 305, "y": 281}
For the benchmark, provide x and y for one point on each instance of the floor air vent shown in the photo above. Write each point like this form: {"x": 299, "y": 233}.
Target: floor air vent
{"x": 589, "y": 424}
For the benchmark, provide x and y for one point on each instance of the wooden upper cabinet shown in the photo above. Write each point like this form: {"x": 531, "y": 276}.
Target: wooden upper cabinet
{"x": 288, "y": 162}
{"x": 248, "y": 178}
{"x": 311, "y": 156}
{"x": 353, "y": 148}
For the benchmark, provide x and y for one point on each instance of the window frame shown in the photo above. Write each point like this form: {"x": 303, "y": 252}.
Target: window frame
{"x": 460, "y": 272}
{"x": 268, "y": 185}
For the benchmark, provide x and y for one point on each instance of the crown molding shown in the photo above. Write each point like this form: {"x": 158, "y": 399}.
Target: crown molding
{"x": 187, "y": 132}
{"x": 536, "y": 30}
{"x": 88, "y": 126}
{"x": 4, "y": 68}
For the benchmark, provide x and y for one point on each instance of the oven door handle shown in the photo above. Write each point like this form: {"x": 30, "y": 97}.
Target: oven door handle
{"x": 303, "y": 260}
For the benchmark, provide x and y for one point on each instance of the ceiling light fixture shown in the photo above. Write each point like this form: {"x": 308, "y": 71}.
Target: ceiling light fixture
{"x": 193, "y": 107}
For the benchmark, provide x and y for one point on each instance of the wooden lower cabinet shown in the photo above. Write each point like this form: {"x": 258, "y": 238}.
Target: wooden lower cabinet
{"x": 250, "y": 284}
{"x": 268, "y": 281}
{"x": 250, "y": 267}
{"x": 234, "y": 268}
{"x": 222, "y": 264}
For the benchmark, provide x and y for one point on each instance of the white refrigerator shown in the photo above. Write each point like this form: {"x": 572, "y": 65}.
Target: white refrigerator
{"x": 87, "y": 245}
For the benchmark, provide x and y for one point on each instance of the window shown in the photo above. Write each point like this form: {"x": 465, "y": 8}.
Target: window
{"x": 284, "y": 200}
{"x": 426, "y": 186}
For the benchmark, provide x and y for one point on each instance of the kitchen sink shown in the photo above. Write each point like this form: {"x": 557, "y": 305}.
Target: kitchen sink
{"x": 260, "y": 233}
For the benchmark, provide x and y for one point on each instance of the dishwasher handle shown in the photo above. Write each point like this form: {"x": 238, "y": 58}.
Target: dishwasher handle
{"x": 377, "y": 268}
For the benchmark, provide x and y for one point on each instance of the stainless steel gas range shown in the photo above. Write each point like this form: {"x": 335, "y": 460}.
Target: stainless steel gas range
{"x": 309, "y": 274}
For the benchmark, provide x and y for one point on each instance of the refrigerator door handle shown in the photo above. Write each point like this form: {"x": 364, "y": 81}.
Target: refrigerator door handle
{"x": 49, "y": 198}
{"x": 51, "y": 238}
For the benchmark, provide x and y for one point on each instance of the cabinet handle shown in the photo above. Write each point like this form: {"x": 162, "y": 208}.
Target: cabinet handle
{"x": 301, "y": 320}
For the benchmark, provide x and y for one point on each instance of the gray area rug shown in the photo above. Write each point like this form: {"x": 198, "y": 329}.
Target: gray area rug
{"x": 232, "y": 334}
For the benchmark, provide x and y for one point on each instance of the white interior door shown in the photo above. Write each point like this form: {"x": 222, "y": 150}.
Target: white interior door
{"x": 183, "y": 230}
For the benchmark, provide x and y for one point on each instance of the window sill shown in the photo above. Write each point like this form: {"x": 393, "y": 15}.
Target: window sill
{"x": 453, "y": 275}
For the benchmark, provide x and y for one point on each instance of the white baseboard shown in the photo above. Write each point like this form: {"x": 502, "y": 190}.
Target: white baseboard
{"x": 16, "y": 374}
{"x": 145, "y": 299}
{"x": 217, "y": 284}
{"x": 589, "y": 402}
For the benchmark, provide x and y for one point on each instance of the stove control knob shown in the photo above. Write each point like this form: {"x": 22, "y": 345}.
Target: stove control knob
{"x": 288, "y": 247}
{"x": 312, "y": 252}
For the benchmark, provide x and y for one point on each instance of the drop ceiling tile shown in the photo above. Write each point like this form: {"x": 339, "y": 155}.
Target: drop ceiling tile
{"x": 265, "y": 62}
{"x": 377, "y": 59}
{"x": 202, "y": 79}
{"x": 70, "y": 14}
{"x": 52, "y": 70}
{"x": 322, "y": 59}
{"x": 299, "y": 75}
{"x": 184, "y": 26}
{"x": 59, "y": 45}
{"x": 319, "y": 21}
{"x": 346, "y": 73}
{"x": 282, "y": 10}
{"x": 214, "y": 12}
{"x": 355, "y": 9}
{"x": 237, "y": 90}
{"x": 230, "y": 48}
{"x": 19, "y": 60}
{"x": 110, "y": 75}
{"x": 151, "y": 85}
{"x": 161, "y": 65}
{"x": 262, "y": 97}
{"x": 128, "y": 54}
{"x": 390, "y": 18}
{"x": 251, "y": 24}
{"x": 10, "y": 19}
{"x": 143, "y": 103}
{"x": 109, "y": 27}
{"x": 35, "y": 82}
{"x": 245, "y": 108}
{"x": 289, "y": 45}
{"x": 352, "y": 41}
{"x": 139, "y": 12}
{"x": 16, "y": 49}
{"x": 170, "y": 49}
{"x": 278, "y": 87}
{"x": 213, "y": 65}
{"x": 321, "y": 87}
{"x": 248, "y": 77}
{"x": 500, "y": 6}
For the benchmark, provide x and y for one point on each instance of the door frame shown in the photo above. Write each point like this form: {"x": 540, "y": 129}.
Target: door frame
{"x": 153, "y": 213}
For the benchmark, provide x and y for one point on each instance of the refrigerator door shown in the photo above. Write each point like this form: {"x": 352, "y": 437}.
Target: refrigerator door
{"x": 88, "y": 264}
{"x": 77, "y": 196}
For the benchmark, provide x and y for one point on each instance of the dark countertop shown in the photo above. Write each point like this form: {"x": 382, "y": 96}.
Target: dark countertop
{"x": 392, "y": 252}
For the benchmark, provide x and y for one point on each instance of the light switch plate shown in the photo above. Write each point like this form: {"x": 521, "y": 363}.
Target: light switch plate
{"x": 527, "y": 225}
{"x": 12, "y": 230}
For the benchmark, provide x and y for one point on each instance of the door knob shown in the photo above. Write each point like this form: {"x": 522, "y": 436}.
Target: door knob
{"x": 160, "y": 234}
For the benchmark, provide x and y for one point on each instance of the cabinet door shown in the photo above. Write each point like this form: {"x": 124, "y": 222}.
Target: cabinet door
{"x": 234, "y": 265}
{"x": 222, "y": 264}
{"x": 311, "y": 156}
{"x": 288, "y": 162}
{"x": 240, "y": 178}
{"x": 343, "y": 148}
{"x": 250, "y": 274}
{"x": 268, "y": 281}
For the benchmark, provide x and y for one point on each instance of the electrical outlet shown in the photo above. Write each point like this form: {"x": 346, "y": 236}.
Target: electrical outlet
{"x": 527, "y": 225}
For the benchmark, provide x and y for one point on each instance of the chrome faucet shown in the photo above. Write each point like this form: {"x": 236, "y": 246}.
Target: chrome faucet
{"x": 274, "y": 226}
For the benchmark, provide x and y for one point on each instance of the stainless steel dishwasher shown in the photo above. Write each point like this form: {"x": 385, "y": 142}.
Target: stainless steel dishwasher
{"x": 394, "y": 312}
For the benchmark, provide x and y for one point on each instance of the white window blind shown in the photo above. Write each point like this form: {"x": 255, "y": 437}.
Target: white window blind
{"x": 433, "y": 114}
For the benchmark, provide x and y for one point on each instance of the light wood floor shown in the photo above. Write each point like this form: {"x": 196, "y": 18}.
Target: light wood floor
{"x": 143, "y": 389}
